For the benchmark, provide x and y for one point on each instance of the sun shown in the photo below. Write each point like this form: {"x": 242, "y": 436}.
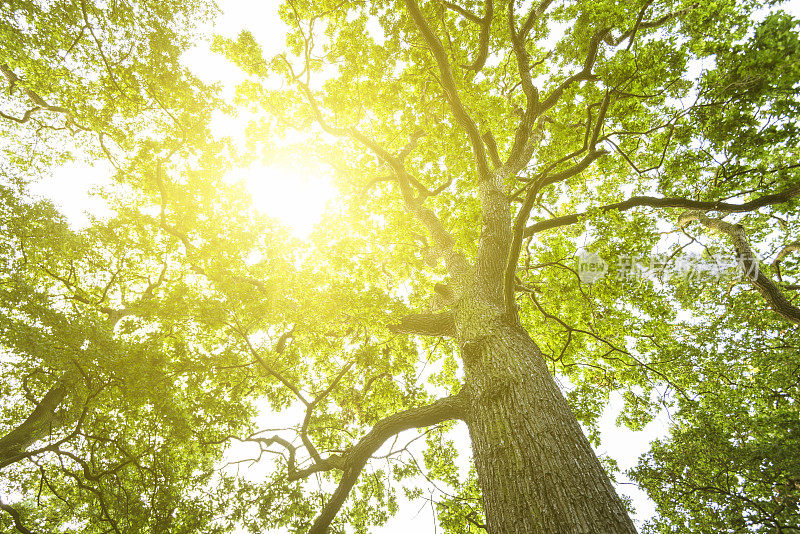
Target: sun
{"x": 296, "y": 197}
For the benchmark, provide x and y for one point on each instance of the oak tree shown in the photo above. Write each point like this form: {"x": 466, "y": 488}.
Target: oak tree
{"x": 479, "y": 147}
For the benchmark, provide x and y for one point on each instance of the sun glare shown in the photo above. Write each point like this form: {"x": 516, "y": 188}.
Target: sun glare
{"x": 296, "y": 197}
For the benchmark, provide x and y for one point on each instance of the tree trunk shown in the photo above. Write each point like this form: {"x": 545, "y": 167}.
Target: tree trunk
{"x": 537, "y": 471}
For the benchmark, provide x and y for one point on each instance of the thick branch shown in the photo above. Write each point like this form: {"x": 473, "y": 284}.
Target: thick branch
{"x": 483, "y": 39}
{"x": 491, "y": 146}
{"x": 445, "y": 244}
{"x": 669, "y": 202}
{"x": 748, "y": 262}
{"x": 38, "y": 100}
{"x": 15, "y": 517}
{"x": 448, "y": 83}
{"x": 25, "y": 118}
{"x": 522, "y": 147}
{"x": 467, "y": 14}
{"x": 32, "y": 429}
{"x": 356, "y": 458}
{"x": 426, "y": 324}
{"x": 523, "y": 61}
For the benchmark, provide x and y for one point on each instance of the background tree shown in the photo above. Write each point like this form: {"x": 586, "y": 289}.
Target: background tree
{"x": 478, "y": 146}
{"x": 109, "y": 414}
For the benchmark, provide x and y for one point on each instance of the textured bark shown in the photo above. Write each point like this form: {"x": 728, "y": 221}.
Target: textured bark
{"x": 537, "y": 471}
{"x": 426, "y": 324}
{"x": 34, "y": 428}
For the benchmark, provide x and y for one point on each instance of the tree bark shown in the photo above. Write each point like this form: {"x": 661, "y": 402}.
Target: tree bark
{"x": 34, "y": 428}
{"x": 537, "y": 472}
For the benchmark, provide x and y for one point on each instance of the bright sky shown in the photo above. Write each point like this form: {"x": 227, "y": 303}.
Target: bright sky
{"x": 295, "y": 195}
{"x": 298, "y": 196}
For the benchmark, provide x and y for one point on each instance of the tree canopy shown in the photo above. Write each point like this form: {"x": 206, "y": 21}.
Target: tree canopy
{"x": 483, "y": 153}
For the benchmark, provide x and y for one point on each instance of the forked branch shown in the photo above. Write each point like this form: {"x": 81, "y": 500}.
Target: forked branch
{"x": 485, "y": 24}
{"x": 522, "y": 217}
{"x": 355, "y": 458}
{"x": 748, "y": 261}
{"x": 788, "y": 249}
{"x": 643, "y": 25}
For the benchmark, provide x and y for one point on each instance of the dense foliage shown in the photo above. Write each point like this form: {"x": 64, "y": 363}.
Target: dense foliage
{"x": 144, "y": 352}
